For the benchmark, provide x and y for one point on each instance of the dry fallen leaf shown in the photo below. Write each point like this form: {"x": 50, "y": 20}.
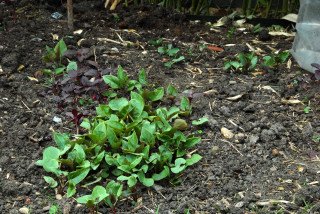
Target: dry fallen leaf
{"x": 221, "y": 22}
{"x": 215, "y": 48}
{"x": 239, "y": 23}
{"x": 33, "y": 79}
{"x": 291, "y": 102}
{"x": 258, "y": 73}
{"x": 211, "y": 91}
{"x": 234, "y": 98}
{"x": 300, "y": 168}
{"x": 20, "y": 68}
{"x": 267, "y": 87}
{"x": 79, "y": 42}
{"x": 226, "y": 133}
{"x": 280, "y": 33}
{"x": 55, "y": 37}
{"x": 78, "y": 32}
{"x": 289, "y": 63}
{"x": 292, "y": 17}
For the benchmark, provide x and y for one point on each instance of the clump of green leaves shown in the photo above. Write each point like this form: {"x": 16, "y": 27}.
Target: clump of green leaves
{"x": 257, "y": 29}
{"x": 275, "y": 59}
{"x": 54, "y": 57}
{"x": 172, "y": 53}
{"x": 155, "y": 42}
{"x": 131, "y": 142}
{"x": 245, "y": 62}
{"x": 231, "y": 32}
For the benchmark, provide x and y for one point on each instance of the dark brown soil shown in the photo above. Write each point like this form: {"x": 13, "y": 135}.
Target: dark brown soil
{"x": 271, "y": 166}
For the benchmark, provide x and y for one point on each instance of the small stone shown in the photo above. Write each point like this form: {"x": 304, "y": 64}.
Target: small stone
{"x": 273, "y": 169}
{"x": 57, "y": 119}
{"x": 275, "y": 152}
{"x": 239, "y": 137}
{"x": 214, "y": 150}
{"x": 253, "y": 139}
{"x": 268, "y": 135}
{"x": 239, "y": 204}
{"x": 24, "y": 210}
{"x": 226, "y": 133}
{"x": 46, "y": 208}
{"x": 213, "y": 123}
{"x": 66, "y": 208}
{"x": 225, "y": 111}
{"x": 58, "y": 197}
{"x": 307, "y": 130}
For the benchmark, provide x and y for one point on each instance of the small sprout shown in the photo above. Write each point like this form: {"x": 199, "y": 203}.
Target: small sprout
{"x": 200, "y": 121}
{"x": 307, "y": 109}
{"x": 246, "y": 62}
{"x": 276, "y": 59}
{"x": 171, "y": 52}
{"x": 257, "y": 29}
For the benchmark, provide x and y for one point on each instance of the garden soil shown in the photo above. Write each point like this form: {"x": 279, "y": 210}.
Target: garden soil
{"x": 271, "y": 165}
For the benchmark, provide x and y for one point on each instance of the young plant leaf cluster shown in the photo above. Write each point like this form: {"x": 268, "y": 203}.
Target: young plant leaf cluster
{"x": 276, "y": 59}
{"x": 245, "y": 62}
{"x": 70, "y": 84}
{"x": 172, "y": 53}
{"x": 129, "y": 143}
{"x": 54, "y": 57}
{"x": 249, "y": 61}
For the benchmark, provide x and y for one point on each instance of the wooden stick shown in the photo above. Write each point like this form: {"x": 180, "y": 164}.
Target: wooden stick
{"x": 70, "y": 14}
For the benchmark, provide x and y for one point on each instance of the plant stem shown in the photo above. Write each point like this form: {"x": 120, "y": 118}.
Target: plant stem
{"x": 285, "y": 4}
{"x": 70, "y": 14}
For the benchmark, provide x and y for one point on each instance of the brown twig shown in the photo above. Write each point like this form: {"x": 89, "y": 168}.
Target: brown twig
{"x": 70, "y": 14}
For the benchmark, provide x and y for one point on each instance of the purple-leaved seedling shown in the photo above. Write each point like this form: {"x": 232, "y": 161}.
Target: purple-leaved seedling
{"x": 317, "y": 70}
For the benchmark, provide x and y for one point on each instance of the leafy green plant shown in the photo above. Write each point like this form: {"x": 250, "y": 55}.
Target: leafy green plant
{"x": 231, "y": 32}
{"x": 245, "y": 62}
{"x": 257, "y": 29}
{"x": 132, "y": 141}
{"x": 307, "y": 109}
{"x": 171, "y": 52}
{"x": 54, "y": 209}
{"x": 316, "y": 138}
{"x": 275, "y": 59}
{"x": 54, "y": 57}
{"x": 156, "y": 42}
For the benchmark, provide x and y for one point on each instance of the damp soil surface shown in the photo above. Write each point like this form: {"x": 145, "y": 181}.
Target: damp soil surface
{"x": 270, "y": 165}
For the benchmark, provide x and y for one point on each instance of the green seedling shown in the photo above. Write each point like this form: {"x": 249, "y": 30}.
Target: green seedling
{"x": 132, "y": 141}
{"x": 121, "y": 81}
{"x": 171, "y": 52}
{"x": 277, "y": 28}
{"x": 202, "y": 47}
{"x": 173, "y": 61}
{"x": 116, "y": 17}
{"x": 54, "y": 209}
{"x": 54, "y": 57}
{"x": 245, "y": 62}
{"x": 231, "y": 32}
{"x": 156, "y": 42}
{"x": 276, "y": 59}
{"x": 257, "y": 29}
{"x": 307, "y": 109}
{"x": 200, "y": 121}
{"x": 316, "y": 138}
